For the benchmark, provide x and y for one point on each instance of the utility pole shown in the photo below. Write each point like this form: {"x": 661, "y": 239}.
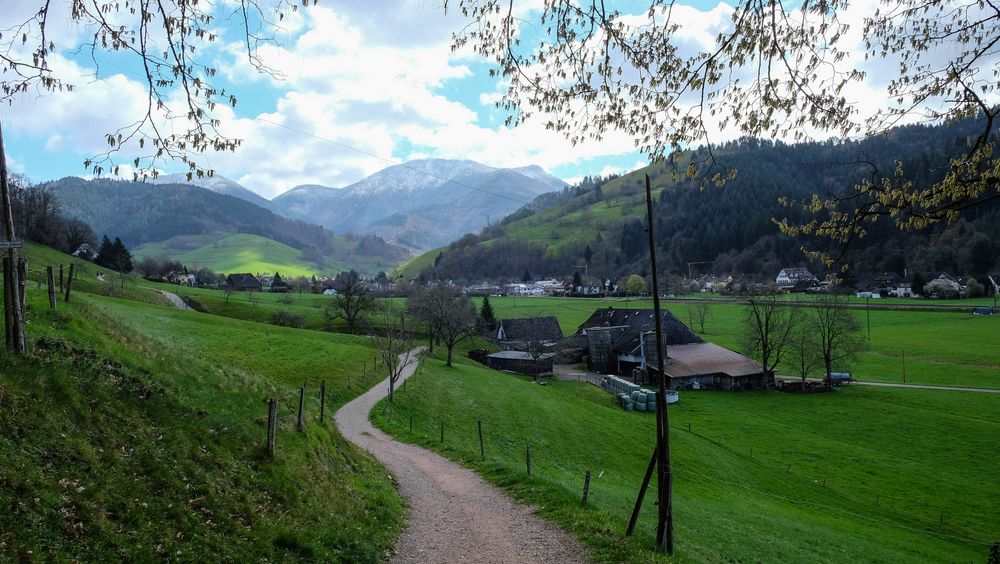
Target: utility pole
{"x": 868, "y": 313}
{"x": 12, "y": 291}
{"x": 661, "y": 454}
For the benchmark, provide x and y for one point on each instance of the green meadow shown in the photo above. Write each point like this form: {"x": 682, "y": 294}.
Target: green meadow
{"x": 234, "y": 252}
{"x": 135, "y": 431}
{"x": 862, "y": 474}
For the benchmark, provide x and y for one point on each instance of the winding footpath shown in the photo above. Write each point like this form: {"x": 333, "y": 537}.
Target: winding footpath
{"x": 455, "y": 515}
{"x": 175, "y": 300}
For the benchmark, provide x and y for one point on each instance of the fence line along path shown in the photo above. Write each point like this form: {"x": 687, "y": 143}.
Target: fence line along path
{"x": 455, "y": 515}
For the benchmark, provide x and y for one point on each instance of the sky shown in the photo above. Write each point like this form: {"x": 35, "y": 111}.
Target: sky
{"x": 363, "y": 85}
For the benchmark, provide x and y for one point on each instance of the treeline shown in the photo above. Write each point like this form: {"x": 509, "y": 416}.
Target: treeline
{"x": 38, "y": 217}
{"x": 731, "y": 229}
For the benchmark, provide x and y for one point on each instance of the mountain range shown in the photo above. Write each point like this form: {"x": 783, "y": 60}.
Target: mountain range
{"x": 183, "y": 217}
{"x": 420, "y": 204}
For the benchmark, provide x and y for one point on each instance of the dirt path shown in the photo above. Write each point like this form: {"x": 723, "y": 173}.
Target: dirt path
{"x": 175, "y": 300}
{"x": 455, "y": 515}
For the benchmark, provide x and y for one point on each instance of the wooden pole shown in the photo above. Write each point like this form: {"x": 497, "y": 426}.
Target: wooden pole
{"x": 642, "y": 493}
{"x": 442, "y": 432}
{"x": 22, "y": 282}
{"x": 482, "y": 452}
{"x": 665, "y": 519}
{"x": 69, "y": 280}
{"x": 527, "y": 456}
{"x": 8, "y": 312}
{"x": 50, "y": 278}
{"x": 272, "y": 421}
{"x": 586, "y": 487}
{"x": 322, "y": 400}
{"x": 411, "y": 423}
{"x": 12, "y": 300}
{"x": 302, "y": 403}
{"x": 60, "y": 278}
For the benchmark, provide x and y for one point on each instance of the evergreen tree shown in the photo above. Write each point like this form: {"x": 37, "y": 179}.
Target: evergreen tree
{"x": 577, "y": 281}
{"x": 588, "y": 253}
{"x": 121, "y": 260}
{"x": 526, "y": 277}
{"x": 487, "y": 318}
{"x": 105, "y": 253}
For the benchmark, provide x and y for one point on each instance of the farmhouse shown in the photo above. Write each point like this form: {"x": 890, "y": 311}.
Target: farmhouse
{"x": 244, "y": 282}
{"x": 624, "y": 342}
{"x": 788, "y": 277}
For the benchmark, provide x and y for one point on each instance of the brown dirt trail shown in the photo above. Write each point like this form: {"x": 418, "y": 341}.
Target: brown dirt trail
{"x": 455, "y": 515}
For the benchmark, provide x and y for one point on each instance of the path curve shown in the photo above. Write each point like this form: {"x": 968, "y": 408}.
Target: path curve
{"x": 175, "y": 300}
{"x": 455, "y": 515}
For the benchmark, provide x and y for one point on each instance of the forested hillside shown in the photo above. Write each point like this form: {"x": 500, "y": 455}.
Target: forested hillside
{"x": 599, "y": 227}
{"x": 142, "y": 213}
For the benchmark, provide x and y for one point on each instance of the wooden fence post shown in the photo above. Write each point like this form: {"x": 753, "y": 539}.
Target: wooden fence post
{"x": 272, "y": 421}
{"x": 60, "y": 278}
{"x": 22, "y": 281}
{"x": 302, "y": 403}
{"x": 8, "y": 312}
{"x": 322, "y": 400}
{"x": 482, "y": 453}
{"x": 411, "y": 423}
{"x": 527, "y": 456}
{"x": 442, "y": 432}
{"x": 69, "y": 280}
{"x": 50, "y": 278}
{"x": 586, "y": 487}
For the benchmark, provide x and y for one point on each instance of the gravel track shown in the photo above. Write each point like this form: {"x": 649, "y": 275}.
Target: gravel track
{"x": 455, "y": 515}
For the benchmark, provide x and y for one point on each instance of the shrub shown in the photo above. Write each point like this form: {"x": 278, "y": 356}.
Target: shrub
{"x": 286, "y": 318}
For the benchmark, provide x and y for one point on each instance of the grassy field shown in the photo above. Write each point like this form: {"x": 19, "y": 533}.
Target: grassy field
{"x": 135, "y": 431}
{"x": 858, "y": 475}
{"x": 940, "y": 348}
{"x": 234, "y": 252}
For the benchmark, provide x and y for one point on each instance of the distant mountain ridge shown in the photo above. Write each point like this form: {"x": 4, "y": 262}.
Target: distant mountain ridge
{"x": 420, "y": 204}
{"x": 215, "y": 183}
{"x": 141, "y": 212}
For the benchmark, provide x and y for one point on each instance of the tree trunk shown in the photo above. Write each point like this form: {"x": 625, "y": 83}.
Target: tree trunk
{"x": 450, "y": 348}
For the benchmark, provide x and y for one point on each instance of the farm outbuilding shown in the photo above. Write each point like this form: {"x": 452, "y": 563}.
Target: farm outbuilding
{"x": 624, "y": 342}
{"x": 528, "y": 329}
{"x": 521, "y": 362}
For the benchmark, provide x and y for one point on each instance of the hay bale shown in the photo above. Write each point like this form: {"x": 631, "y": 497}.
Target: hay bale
{"x": 640, "y": 406}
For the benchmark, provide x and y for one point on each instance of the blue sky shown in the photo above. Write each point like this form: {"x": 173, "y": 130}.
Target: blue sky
{"x": 364, "y": 85}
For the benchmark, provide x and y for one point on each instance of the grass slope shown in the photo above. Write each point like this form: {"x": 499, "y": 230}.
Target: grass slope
{"x": 135, "y": 431}
{"x": 235, "y": 252}
{"x": 858, "y": 475}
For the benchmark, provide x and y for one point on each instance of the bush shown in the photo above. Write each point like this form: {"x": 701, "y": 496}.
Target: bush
{"x": 286, "y": 318}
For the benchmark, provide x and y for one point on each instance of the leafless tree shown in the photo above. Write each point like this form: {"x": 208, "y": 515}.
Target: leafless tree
{"x": 700, "y": 312}
{"x": 352, "y": 301}
{"x": 76, "y": 232}
{"x": 769, "y": 328}
{"x": 449, "y": 315}
{"x": 837, "y": 331}
{"x": 167, "y": 42}
{"x": 804, "y": 351}
{"x": 393, "y": 343}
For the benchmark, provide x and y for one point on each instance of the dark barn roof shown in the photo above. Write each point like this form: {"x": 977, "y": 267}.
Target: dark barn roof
{"x": 245, "y": 280}
{"x": 530, "y": 329}
{"x": 639, "y": 320}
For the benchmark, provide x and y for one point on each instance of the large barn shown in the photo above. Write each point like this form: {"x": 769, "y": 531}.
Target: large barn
{"x": 623, "y": 341}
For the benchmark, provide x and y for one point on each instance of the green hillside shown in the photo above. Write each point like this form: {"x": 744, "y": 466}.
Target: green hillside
{"x": 235, "y": 252}
{"x": 601, "y": 223}
{"x": 135, "y": 431}
{"x": 861, "y": 474}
